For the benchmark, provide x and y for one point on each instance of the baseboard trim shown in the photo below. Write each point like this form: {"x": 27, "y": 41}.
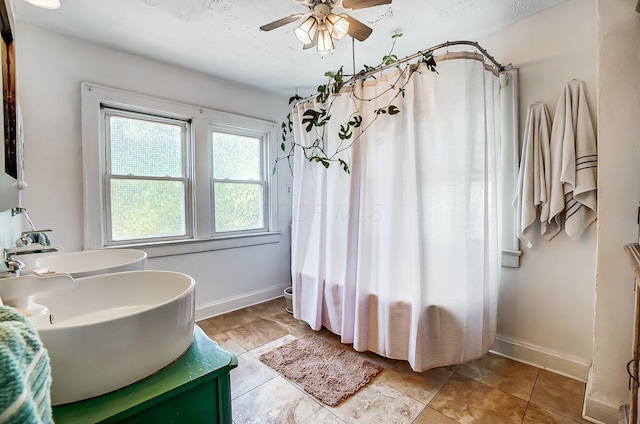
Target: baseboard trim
{"x": 597, "y": 409}
{"x": 557, "y": 362}
{"x": 234, "y": 303}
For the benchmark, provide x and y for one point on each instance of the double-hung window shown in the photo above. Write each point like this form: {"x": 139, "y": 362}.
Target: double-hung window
{"x": 146, "y": 179}
{"x": 239, "y": 180}
{"x": 174, "y": 178}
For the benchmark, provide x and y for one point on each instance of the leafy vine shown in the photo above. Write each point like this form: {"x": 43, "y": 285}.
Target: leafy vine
{"x": 352, "y": 130}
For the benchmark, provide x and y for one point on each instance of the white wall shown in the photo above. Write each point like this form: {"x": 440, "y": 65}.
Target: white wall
{"x": 50, "y": 68}
{"x": 545, "y": 309}
{"x": 619, "y": 192}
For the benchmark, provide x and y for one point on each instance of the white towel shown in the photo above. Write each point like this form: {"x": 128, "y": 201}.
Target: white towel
{"x": 533, "y": 183}
{"x": 574, "y": 164}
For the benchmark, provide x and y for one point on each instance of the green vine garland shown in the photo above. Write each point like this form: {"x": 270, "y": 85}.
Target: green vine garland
{"x": 316, "y": 120}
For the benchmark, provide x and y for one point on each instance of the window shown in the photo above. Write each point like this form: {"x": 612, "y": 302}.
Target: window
{"x": 238, "y": 181}
{"x": 146, "y": 184}
{"x": 174, "y": 178}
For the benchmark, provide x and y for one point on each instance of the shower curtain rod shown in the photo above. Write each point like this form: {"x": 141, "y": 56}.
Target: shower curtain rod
{"x": 364, "y": 75}
{"x": 474, "y": 44}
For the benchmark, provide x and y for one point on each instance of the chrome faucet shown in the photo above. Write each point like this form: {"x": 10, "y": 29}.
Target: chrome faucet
{"x": 25, "y": 240}
{"x": 11, "y": 252}
{"x": 23, "y": 211}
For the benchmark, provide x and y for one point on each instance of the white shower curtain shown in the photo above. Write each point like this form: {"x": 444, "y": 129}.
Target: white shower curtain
{"x": 401, "y": 257}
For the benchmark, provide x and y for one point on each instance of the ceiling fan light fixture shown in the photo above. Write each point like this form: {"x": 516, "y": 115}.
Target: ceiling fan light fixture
{"x": 337, "y": 25}
{"x": 307, "y": 30}
{"x": 325, "y": 41}
{"x": 45, "y": 4}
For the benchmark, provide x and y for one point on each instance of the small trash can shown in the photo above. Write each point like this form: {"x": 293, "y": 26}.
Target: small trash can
{"x": 288, "y": 297}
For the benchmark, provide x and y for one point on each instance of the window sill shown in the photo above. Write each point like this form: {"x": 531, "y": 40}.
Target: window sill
{"x": 183, "y": 247}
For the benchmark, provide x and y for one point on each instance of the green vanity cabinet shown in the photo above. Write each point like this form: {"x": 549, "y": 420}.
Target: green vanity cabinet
{"x": 193, "y": 389}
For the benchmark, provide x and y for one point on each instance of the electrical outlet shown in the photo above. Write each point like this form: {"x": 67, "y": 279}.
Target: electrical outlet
{"x": 289, "y": 189}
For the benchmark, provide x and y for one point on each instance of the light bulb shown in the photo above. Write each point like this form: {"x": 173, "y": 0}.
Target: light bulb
{"x": 325, "y": 42}
{"x": 306, "y": 32}
{"x": 337, "y": 25}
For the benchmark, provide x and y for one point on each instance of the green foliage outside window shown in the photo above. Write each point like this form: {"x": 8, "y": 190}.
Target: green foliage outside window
{"x": 147, "y": 209}
{"x": 145, "y": 148}
{"x": 238, "y": 207}
{"x": 236, "y": 157}
{"x": 238, "y": 186}
{"x": 147, "y": 184}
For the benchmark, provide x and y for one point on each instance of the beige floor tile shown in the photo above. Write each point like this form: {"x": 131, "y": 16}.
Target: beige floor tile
{"x": 285, "y": 320}
{"x": 559, "y": 394}
{"x": 297, "y": 328}
{"x": 421, "y": 386}
{"x": 249, "y": 374}
{"x": 491, "y": 390}
{"x": 271, "y": 308}
{"x": 275, "y": 401}
{"x": 469, "y": 401}
{"x": 233, "y": 319}
{"x": 378, "y": 403}
{"x": 431, "y": 416}
{"x": 323, "y": 416}
{"x": 537, "y": 415}
{"x": 502, "y": 373}
{"x": 397, "y": 365}
{"x": 293, "y": 326}
{"x": 274, "y": 310}
{"x": 256, "y": 333}
{"x": 272, "y": 345}
{"x": 207, "y": 327}
{"x": 221, "y": 338}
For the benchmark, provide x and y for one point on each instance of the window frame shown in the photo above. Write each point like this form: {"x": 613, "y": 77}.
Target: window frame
{"x": 199, "y": 163}
{"x": 263, "y": 182}
{"x": 106, "y": 112}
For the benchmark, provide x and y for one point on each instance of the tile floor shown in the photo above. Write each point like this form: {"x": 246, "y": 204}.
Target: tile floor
{"x": 490, "y": 390}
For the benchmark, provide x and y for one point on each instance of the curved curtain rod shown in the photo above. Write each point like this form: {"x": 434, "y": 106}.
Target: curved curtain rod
{"x": 474, "y": 44}
{"x": 490, "y": 58}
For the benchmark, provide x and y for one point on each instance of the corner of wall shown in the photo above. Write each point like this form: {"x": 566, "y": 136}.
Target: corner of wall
{"x": 596, "y": 408}
{"x": 231, "y": 304}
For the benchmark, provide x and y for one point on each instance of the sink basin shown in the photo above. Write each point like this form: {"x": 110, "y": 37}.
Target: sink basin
{"x": 94, "y": 262}
{"x": 112, "y": 330}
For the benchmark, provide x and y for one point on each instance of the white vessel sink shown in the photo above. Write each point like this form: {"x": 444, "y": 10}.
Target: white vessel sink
{"x": 112, "y": 330}
{"x": 94, "y": 262}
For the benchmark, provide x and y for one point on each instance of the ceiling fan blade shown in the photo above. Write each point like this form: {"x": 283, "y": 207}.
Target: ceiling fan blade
{"x": 281, "y": 22}
{"x": 357, "y": 29}
{"x": 361, "y": 4}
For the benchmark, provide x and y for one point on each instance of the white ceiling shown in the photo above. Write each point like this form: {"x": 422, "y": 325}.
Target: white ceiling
{"x": 222, "y": 37}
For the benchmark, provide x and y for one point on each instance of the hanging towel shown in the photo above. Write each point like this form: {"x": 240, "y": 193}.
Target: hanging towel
{"x": 40, "y": 238}
{"x": 574, "y": 162}
{"x": 25, "y": 373}
{"x": 533, "y": 184}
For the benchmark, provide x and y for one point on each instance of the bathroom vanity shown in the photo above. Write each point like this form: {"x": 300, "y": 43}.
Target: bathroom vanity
{"x": 193, "y": 389}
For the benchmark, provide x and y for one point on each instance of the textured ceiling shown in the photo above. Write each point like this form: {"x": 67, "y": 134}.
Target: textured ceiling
{"x": 222, "y": 37}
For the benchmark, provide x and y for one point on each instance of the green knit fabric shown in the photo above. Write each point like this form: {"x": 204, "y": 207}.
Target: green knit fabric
{"x": 25, "y": 373}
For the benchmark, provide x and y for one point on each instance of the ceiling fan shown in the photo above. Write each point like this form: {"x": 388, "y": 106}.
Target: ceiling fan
{"x": 320, "y": 26}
